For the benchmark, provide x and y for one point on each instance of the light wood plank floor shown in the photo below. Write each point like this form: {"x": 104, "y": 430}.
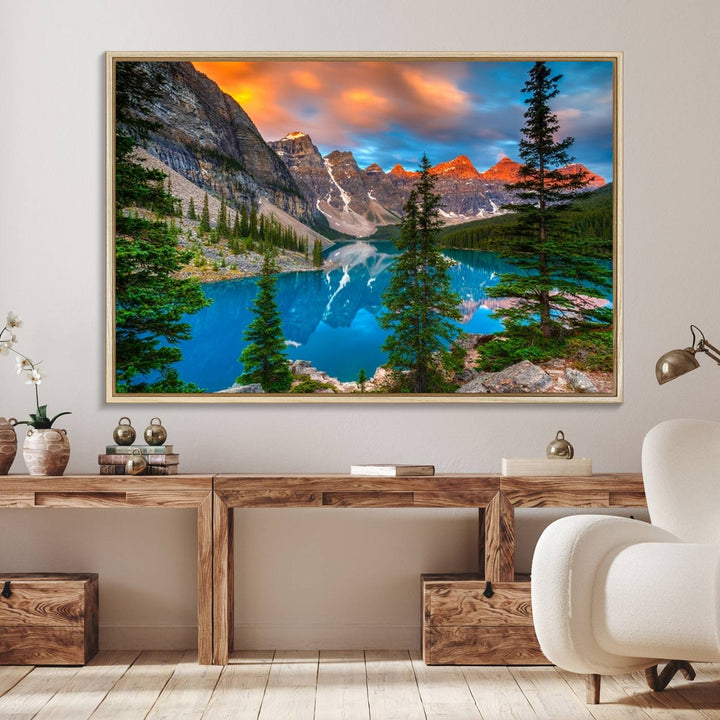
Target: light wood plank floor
{"x": 350, "y": 685}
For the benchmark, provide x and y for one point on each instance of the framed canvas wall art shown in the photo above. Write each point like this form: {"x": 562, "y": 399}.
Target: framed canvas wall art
{"x": 365, "y": 228}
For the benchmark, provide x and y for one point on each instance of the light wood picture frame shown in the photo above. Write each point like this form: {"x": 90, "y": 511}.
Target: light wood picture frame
{"x": 426, "y": 227}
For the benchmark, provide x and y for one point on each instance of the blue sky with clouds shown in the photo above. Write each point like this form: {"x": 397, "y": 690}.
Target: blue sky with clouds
{"x": 393, "y": 112}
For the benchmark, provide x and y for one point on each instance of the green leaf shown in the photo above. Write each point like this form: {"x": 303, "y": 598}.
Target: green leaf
{"x": 67, "y": 412}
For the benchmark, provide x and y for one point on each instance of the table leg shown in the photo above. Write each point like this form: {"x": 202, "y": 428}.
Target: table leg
{"x": 205, "y": 580}
{"x": 499, "y": 518}
{"x": 481, "y": 541}
{"x": 223, "y": 581}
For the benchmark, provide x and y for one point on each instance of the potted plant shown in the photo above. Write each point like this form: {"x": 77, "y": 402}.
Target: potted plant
{"x": 46, "y": 449}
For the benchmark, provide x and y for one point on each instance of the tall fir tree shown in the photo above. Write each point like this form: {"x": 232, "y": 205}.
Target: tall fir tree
{"x": 263, "y": 358}
{"x": 205, "y": 216}
{"x": 419, "y": 302}
{"x": 317, "y": 254}
{"x": 192, "y": 215}
{"x": 150, "y": 300}
{"x": 222, "y": 222}
{"x": 236, "y": 227}
{"x": 558, "y": 267}
{"x": 253, "y": 223}
{"x": 244, "y": 222}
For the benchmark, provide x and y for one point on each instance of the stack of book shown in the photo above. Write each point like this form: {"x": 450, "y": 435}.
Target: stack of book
{"x": 160, "y": 459}
{"x": 392, "y": 470}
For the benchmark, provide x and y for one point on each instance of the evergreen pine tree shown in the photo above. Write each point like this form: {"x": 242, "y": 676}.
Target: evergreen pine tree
{"x": 192, "y": 215}
{"x": 244, "y": 223}
{"x": 556, "y": 265}
{"x": 222, "y": 223}
{"x": 362, "y": 379}
{"x": 264, "y": 360}
{"x": 317, "y": 254}
{"x": 420, "y": 304}
{"x": 205, "y": 216}
{"x": 150, "y": 300}
{"x": 253, "y": 224}
{"x": 236, "y": 227}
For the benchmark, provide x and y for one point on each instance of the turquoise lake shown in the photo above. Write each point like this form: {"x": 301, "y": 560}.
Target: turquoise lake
{"x": 329, "y": 318}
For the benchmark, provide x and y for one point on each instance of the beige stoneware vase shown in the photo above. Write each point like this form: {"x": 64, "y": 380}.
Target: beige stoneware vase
{"x": 8, "y": 444}
{"x": 46, "y": 451}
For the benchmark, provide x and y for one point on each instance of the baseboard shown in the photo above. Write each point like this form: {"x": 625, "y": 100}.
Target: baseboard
{"x": 148, "y": 637}
{"x": 327, "y": 637}
{"x": 264, "y": 637}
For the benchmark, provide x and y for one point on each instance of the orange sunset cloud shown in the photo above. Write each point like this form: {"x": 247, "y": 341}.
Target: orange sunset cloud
{"x": 330, "y": 100}
{"x": 394, "y": 110}
{"x": 437, "y": 92}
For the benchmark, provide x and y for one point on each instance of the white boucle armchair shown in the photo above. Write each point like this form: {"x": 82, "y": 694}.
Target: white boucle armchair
{"x": 613, "y": 595}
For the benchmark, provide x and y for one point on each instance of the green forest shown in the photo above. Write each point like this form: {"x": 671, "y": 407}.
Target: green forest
{"x": 591, "y": 216}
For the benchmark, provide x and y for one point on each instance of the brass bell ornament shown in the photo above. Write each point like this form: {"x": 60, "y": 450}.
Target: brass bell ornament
{"x": 124, "y": 433}
{"x": 155, "y": 433}
{"x": 560, "y": 448}
{"x": 136, "y": 463}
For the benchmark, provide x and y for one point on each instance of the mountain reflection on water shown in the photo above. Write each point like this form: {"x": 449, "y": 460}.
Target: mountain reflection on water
{"x": 329, "y": 318}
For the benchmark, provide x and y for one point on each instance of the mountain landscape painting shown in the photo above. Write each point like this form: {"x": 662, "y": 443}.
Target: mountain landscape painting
{"x": 364, "y": 228}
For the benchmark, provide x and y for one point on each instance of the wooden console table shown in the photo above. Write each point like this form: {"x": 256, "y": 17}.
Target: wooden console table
{"x": 126, "y": 491}
{"x": 215, "y": 498}
{"x": 495, "y": 497}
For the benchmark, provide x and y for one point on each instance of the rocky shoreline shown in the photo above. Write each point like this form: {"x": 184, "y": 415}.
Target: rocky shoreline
{"x": 242, "y": 265}
{"x": 557, "y": 376}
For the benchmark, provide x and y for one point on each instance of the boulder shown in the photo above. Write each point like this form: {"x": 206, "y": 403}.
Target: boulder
{"x": 465, "y": 375}
{"x": 579, "y": 382}
{"x": 475, "y": 385}
{"x": 252, "y": 388}
{"x": 523, "y": 377}
{"x": 302, "y": 367}
{"x": 469, "y": 341}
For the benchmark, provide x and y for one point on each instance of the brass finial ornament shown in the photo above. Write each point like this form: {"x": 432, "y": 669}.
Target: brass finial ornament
{"x": 136, "y": 463}
{"x": 678, "y": 362}
{"x": 124, "y": 433}
{"x": 560, "y": 448}
{"x": 155, "y": 433}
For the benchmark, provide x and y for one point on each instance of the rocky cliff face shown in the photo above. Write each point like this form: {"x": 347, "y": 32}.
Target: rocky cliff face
{"x": 305, "y": 163}
{"x": 204, "y": 135}
{"x": 336, "y": 186}
{"x": 504, "y": 171}
{"x": 593, "y": 181}
{"x": 466, "y": 193}
{"x": 508, "y": 171}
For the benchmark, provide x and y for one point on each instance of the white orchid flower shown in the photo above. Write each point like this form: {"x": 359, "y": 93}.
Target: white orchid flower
{"x": 13, "y": 320}
{"x": 29, "y": 371}
{"x": 23, "y": 364}
{"x": 35, "y": 377}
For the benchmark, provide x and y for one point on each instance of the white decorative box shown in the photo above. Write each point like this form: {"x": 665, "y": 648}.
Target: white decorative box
{"x": 547, "y": 466}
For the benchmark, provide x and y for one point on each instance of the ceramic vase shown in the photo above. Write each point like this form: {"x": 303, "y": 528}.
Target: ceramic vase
{"x": 46, "y": 451}
{"x": 8, "y": 445}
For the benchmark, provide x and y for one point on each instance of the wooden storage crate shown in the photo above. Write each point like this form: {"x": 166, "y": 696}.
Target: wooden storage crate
{"x": 461, "y": 626}
{"x": 48, "y": 618}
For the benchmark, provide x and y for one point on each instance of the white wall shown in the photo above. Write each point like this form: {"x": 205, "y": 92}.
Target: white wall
{"x": 322, "y": 577}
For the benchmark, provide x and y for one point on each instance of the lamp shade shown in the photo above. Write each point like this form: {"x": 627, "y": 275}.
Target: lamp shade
{"x": 675, "y": 363}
